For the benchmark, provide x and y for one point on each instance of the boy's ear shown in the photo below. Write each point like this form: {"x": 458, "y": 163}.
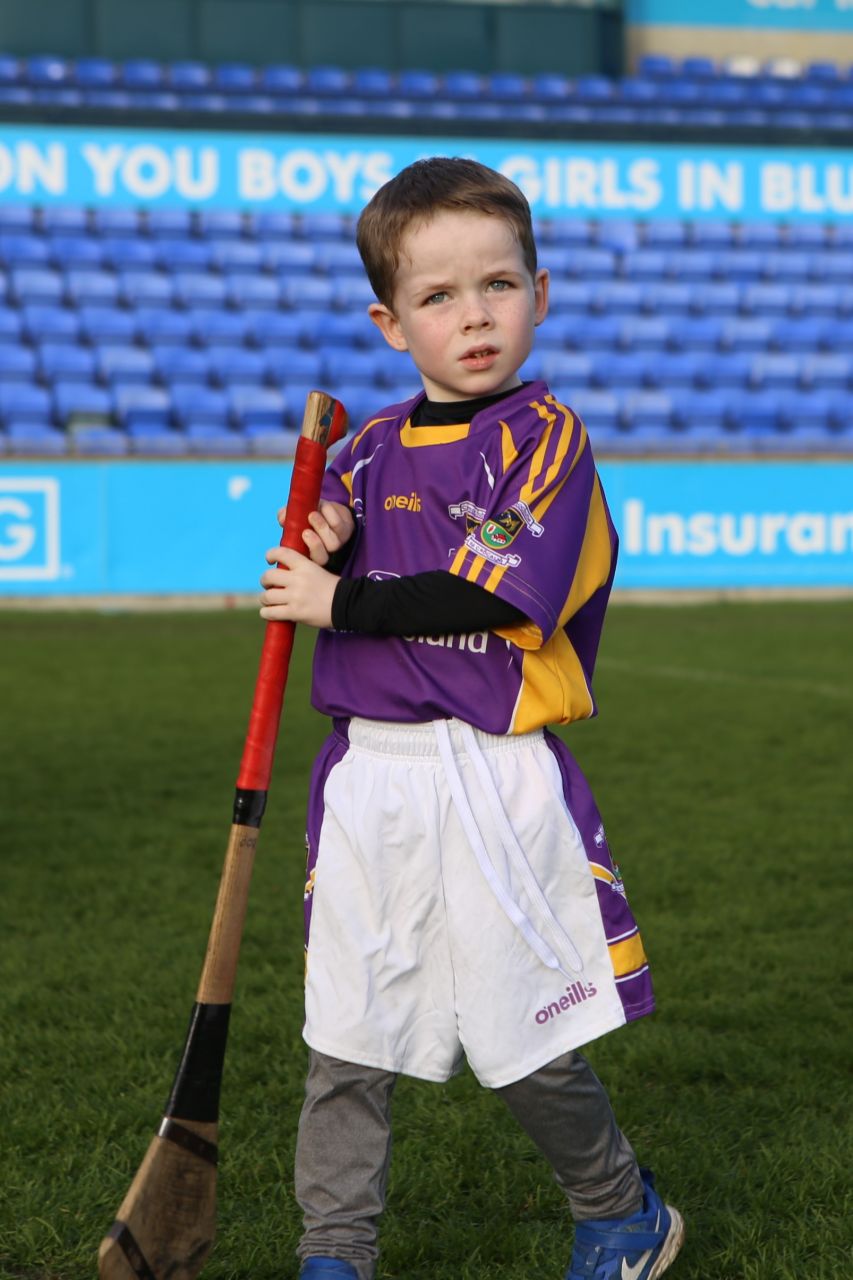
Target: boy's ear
{"x": 388, "y": 325}
{"x": 541, "y": 285}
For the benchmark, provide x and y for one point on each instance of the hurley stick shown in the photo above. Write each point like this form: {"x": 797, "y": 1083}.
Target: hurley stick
{"x": 165, "y": 1226}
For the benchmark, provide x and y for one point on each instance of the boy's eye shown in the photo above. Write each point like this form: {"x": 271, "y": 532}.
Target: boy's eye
{"x": 436, "y": 297}
{"x": 499, "y": 285}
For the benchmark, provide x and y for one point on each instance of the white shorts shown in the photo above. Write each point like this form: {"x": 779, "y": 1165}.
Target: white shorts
{"x": 454, "y": 909}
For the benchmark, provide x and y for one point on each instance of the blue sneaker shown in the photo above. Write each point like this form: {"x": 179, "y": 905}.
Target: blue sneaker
{"x": 641, "y": 1247}
{"x": 327, "y": 1269}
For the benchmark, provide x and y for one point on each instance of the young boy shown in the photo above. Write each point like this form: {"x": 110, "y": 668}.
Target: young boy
{"x": 463, "y": 899}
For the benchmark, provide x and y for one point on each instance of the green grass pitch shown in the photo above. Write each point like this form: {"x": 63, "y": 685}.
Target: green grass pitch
{"x": 721, "y": 761}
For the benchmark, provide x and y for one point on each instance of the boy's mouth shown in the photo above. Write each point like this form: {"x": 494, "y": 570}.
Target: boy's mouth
{"x": 479, "y": 357}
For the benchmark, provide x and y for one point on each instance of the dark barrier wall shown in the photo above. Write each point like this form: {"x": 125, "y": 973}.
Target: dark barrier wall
{"x": 434, "y": 34}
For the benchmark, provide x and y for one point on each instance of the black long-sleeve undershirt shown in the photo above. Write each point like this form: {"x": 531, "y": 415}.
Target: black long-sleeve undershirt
{"x": 432, "y": 603}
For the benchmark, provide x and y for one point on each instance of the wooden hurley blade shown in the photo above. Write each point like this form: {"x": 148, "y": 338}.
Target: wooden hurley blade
{"x": 166, "y": 1223}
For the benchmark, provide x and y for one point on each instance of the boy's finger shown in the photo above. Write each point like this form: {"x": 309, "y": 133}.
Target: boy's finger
{"x": 283, "y": 556}
{"x": 282, "y": 515}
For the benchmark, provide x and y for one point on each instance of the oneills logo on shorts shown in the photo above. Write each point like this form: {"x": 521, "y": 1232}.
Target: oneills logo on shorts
{"x": 574, "y": 995}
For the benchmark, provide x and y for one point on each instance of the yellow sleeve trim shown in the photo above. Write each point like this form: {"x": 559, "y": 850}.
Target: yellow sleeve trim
{"x": 526, "y": 635}
{"x": 628, "y": 955}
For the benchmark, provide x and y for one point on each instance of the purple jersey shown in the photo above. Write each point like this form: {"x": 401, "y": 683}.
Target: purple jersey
{"x": 510, "y": 501}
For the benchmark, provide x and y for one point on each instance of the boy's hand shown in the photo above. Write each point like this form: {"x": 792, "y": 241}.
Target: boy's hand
{"x": 298, "y": 591}
{"x": 332, "y": 526}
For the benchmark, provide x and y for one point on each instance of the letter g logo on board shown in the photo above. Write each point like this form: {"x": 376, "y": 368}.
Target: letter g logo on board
{"x": 29, "y": 528}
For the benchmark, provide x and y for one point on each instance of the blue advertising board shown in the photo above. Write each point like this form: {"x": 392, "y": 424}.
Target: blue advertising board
{"x": 802, "y": 15}
{"x": 113, "y": 527}
{"x": 339, "y": 173}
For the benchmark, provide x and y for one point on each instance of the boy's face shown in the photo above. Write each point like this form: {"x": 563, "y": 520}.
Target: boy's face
{"x": 464, "y": 305}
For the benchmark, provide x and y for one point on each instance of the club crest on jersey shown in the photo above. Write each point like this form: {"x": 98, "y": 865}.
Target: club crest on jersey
{"x": 474, "y": 515}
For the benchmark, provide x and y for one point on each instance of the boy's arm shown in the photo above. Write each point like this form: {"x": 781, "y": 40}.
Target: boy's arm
{"x": 435, "y": 603}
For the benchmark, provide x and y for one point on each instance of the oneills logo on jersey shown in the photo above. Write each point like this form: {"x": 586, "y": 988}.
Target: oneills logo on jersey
{"x": 403, "y": 502}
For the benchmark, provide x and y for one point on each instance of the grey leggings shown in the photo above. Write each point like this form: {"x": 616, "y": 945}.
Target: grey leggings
{"x": 344, "y": 1149}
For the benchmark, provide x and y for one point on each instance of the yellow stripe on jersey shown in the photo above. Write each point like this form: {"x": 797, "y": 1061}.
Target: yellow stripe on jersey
{"x": 346, "y": 478}
{"x": 458, "y": 560}
{"x": 627, "y": 956}
{"x": 540, "y": 489}
{"x": 416, "y": 437}
{"x": 495, "y": 577}
{"x": 553, "y": 687}
{"x": 476, "y": 568}
{"x": 509, "y": 453}
{"x": 594, "y": 561}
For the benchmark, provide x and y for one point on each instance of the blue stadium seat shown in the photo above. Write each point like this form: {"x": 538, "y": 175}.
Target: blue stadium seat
{"x": 42, "y": 321}
{"x": 66, "y": 362}
{"x": 646, "y": 410}
{"x": 307, "y": 291}
{"x": 108, "y": 99}
{"x": 836, "y": 335}
{"x": 253, "y": 406}
{"x": 24, "y": 249}
{"x": 18, "y": 219}
{"x": 668, "y": 297}
{"x": 212, "y": 327}
{"x": 743, "y": 333}
{"x": 676, "y": 368}
{"x": 199, "y": 288}
{"x": 75, "y": 250}
{"x": 23, "y": 438}
{"x": 173, "y": 363}
{"x": 831, "y": 370}
{"x": 80, "y": 399}
{"x": 235, "y": 77}
{"x": 775, "y": 372}
{"x": 65, "y": 217}
{"x": 135, "y": 404}
{"x": 191, "y": 402}
{"x": 570, "y": 295}
{"x": 758, "y": 235}
{"x": 94, "y": 73}
{"x": 766, "y": 299}
{"x": 725, "y": 368}
{"x": 142, "y": 287}
{"x": 281, "y": 79}
{"x": 253, "y": 291}
{"x": 326, "y": 226}
{"x": 667, "y": 232}
{"x": 617, "y": 296}
{"x": 821, "y": 299}
{"x": 739, "y": 264}
{"x": 711, "y": 233}
{"x": 692, "y": 333}
{"x": 101, "y": 442}
{"x": 716, "y": 297}
{"x": 236, "y": 364}
{"x": 212, "y": 438}
{"x": 180, "y": 253}
{"x": 289, "y": 256}
{"x": 354, "y": 368}
{"x": 24, "y": 402}
{"x": 188, "y": 75}
{"x": 352, "y": 291}
{"x": 128, "y": 252}
{"x": 598, "y": 409}
{"x": 758, "y": 411}
{"x": 645, "y": 264}
{"x": 100, "y": 288}
{"x": 593, "y": 263}
{"x": 418, "y": 84}
{"x": 800, "y": 333}
{"x": 121, "y": 223}
{"x": 644, "y": 332}
{"x": 157, "y": 440}
{"x": 142, "y": 73}
{"x": 284, "y": 365}
{"x": 595, "y": 331}
{"x": 35, "y": 285}
{"x": 275, "y": 328}
{"x": 11, "y": 327}
{"x": 221, "y": 224}
{"x": 159, "y": 326}
{"x": 787, "y": 264}
{"x": 621, "y": 368}
{"x": 694, "y": 408}
{"x": 348, "y": 329}
{"x": 125, "y": 364}
{"x": 568, "y": 368}
{"x": 170, "y": 223}
{"x": 17, "y": 363}
{"x": 327, "y": 80}
{"x": 236, "y": 255}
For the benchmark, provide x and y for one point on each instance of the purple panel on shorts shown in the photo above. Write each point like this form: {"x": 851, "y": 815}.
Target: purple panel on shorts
{"x": 635, "y": 989}
{"x": 331, "y": 753}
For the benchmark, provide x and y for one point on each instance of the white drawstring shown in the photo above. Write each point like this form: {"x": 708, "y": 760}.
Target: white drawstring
{"x": 511, "y": 849}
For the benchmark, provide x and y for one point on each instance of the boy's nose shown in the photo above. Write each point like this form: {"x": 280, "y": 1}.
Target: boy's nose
{"x": 476, "y": 316}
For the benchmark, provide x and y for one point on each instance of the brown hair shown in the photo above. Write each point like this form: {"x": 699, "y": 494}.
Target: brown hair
{"x": 421, "y": 190}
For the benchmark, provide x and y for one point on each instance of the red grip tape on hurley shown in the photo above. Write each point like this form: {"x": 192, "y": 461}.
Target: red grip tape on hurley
{"x": 259, "y": 749}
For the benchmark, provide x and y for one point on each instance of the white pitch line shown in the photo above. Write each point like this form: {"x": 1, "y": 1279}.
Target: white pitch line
{"x": 701, "y": 675}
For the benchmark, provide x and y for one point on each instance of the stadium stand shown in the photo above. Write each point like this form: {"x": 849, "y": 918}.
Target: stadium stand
{"x": 211, "y": 345}
{"x": 172, "y": 331}
{"x": 738, "y": 94}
